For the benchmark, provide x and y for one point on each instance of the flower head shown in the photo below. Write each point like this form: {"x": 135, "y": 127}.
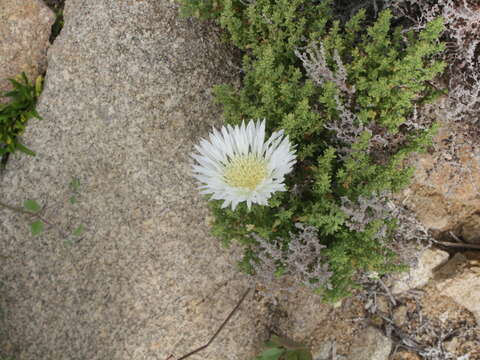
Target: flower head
{"x": 236, "y": 164}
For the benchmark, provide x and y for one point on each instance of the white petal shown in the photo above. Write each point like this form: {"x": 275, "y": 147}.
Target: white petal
{"x": 213, "y": 156}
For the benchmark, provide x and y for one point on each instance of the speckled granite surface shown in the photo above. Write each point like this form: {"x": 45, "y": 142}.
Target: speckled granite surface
{"x": 127, "y": 93}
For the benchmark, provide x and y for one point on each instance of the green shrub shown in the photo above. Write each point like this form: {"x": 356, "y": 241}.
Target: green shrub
{"x": 344, "y": 95}
{"x": 15, "y": 114}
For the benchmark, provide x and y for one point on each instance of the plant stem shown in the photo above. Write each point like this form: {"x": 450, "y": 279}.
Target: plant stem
{"x": 37, "y": 215}
{"x": 218, "y": 330}
{"x": 16, "y": 209}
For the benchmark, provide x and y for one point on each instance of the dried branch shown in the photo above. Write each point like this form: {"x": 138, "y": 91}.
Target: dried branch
{"x": 457, "y": 245}
{"x": 216, "y": 333}
{"x": 302, "y": 260}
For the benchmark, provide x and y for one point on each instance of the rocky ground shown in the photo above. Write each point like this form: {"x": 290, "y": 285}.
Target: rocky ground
{"x": 127, "y": 94}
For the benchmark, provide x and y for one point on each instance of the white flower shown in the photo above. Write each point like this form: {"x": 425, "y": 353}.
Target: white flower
{"x": 237, "y": 165}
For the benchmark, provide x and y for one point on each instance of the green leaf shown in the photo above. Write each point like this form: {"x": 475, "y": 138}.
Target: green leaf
{"x": 291, "y": 355}
{"x": 25, "y": 150}
{"x": 38, "y": 86}
{"x": 304, "y": 355}
{"x": 32, "y": 206}
{"x": 35, "y": 114}
{"x": 79, "y": 230}
{"x": 271, "y": 354}
{"x": 75, "y": 184}
{"x": 300, "y": 354}
{"x": 73, "y": 200}
{"x": 36, "y": 227}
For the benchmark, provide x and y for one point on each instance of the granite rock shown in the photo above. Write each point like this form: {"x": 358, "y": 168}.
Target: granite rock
{"x": 24, "y": 38}
{"x": 400, "y": 315}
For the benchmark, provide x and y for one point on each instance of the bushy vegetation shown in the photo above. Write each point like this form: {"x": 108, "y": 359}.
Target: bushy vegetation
{"x": 15, "y": 113}
{"x": 344, "y": 94}
{"x": 463, "y": 58}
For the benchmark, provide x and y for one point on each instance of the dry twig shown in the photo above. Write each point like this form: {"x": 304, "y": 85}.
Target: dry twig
{"x": 171, "y": 357}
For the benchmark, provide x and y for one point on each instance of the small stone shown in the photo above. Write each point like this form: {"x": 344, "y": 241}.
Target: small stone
{"x": 383, "y": 305}
{"x": 400, "y": 315}
{"x": 452, "y": 345}
{"x": 420, "y": 274}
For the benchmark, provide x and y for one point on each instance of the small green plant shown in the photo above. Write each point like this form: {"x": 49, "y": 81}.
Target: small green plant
{"x": 39, "y": 223}
{"x": 278, "y": 348}
{"x": 15, "y": 114}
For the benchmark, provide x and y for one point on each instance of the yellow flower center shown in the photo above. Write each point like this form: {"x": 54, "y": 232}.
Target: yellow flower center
{"x": 246, "y": 171}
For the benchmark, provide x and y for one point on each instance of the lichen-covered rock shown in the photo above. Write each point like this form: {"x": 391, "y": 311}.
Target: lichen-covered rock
{"x": 445, "y": 192}
{"x": 371, "y": 344}
{"x": 460, "y": 280}
{"x": 421, "y": 273}
{"x": 24, "y": 33}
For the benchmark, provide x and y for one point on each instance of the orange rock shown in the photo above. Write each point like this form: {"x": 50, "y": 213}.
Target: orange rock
{"x": 445, "y": 189}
